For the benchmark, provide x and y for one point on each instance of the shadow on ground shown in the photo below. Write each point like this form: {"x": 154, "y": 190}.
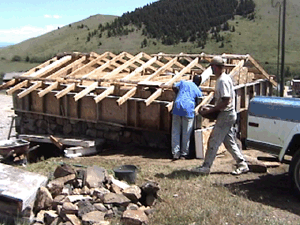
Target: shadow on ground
{"x": 272, "y": 190}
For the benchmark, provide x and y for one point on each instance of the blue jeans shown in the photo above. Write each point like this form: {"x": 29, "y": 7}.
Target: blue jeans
{"x": 182, "y": 128}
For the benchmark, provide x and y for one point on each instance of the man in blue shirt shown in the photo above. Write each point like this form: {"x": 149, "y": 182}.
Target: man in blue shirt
{"x": 183, "y": 115}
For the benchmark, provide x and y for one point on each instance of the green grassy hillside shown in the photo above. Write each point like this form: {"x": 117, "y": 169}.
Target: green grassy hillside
{"x": 258, "y": 37}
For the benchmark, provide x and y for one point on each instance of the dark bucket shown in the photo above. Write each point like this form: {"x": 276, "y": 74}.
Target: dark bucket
{"x": 126, "y": 173}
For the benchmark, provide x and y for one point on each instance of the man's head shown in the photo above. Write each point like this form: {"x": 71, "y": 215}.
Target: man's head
{"x": 197, "y": 79}
{"x": 217, "y": 64}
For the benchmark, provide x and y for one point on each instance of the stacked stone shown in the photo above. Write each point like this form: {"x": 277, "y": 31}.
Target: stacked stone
{"x": 91, "y": 196}
{"x": 39, "y": 124}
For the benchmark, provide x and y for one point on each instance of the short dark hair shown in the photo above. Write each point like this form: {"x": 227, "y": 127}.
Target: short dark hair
{"x": 197, "y": 79}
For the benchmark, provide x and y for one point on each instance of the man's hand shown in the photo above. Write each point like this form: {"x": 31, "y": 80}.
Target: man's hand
{"x": 204, "y": 110}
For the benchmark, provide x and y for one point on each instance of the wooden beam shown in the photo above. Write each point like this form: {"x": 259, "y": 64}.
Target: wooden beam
{"x": 162, "y": 69}
{"x": 51, "y": 66}
{"x": 65, "y": 69}
{"x": 16, "y": 87}
{"x": 7, "y": 84}
{"x": 266, "y": 75}
{"x": 105, "y": 65}
{"x": 154, "y": 96}
{"x": 159, "y": 91}
{"x": 92, "y": 62}
{"x": 65, "y": 91}
{"x": 85, "y": 91}
{"x": 125, "y": 65}
{"x": 205, "y": 101}
{"x": 104, "y": 94}
{"x": 128, "y": 95}
{"x": 30, "y": 89}
{"x": 48, "y": 89}
{"x": 140, "y": 69}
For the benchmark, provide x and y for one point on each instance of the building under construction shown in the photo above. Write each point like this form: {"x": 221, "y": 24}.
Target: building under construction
{"x": 119, "y": 97}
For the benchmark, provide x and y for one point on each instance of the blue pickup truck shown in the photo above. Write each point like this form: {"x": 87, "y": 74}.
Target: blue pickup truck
{"x": 274, "y": 127}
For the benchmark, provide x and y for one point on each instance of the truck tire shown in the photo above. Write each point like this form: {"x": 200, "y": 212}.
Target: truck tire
{"x": 294, "y": 171}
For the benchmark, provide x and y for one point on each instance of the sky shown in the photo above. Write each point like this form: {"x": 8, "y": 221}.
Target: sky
{"x": 24, "y": 19}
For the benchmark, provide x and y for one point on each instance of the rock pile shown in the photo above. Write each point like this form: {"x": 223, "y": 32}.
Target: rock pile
{"x": 91, "y": 196}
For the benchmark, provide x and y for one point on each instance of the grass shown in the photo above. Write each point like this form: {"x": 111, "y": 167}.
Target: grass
{"x": 185, "y": 199}
{"x": 258, "y": 38}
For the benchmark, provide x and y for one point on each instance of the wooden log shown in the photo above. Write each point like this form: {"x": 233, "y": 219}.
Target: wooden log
{"x": 128, "y": 95}
{"x": 86, "y": 91}
{"x": 104, "y": 94}
{"x": 30, "y": 89}
{"x": 17, "y": 87}
{"x": 65, "y": 91}
{"x": 48, "y": 89}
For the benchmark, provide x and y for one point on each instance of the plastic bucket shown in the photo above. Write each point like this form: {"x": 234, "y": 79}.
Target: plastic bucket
{"x": 126, "y": 173}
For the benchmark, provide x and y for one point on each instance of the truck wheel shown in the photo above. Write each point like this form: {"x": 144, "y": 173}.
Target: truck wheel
{"x": 294, "y": 171}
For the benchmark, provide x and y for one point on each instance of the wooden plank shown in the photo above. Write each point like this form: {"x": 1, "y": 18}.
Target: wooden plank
{"x": 162, "y": 69}
{"x": 30, "y": 89}
{"x": 105, "y": 65}
{"x": 267, "y": 76}
{"x": 8, "y": 84}
{"x": 205, "y": 101}
{"x": 169, "y": 106}
{"x": 92, "y": 62}
{"x": 140, "y": 69}
{"x": 128, "y": 95}
{"x": 51, "y": 66}
{"x": 68, "y": 67}
{"x": 48, "y": 89}
{"x": 169, "y": 84}
{"x": 65, "y": 91}
{"x": 125, "y": 65}
{"x": 17, "y": 87}
{"x": 154, "y": 96}
{"x": 86, "y": 91}
{"x": 104, "y": 94}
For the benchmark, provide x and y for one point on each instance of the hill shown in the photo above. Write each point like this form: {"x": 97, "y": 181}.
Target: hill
{"x": 258, "y": 37}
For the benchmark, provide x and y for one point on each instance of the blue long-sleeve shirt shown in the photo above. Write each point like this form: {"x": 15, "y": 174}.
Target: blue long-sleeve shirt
{"x": 185, "y": 101}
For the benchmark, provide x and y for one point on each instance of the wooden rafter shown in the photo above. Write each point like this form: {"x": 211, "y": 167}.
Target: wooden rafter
{"x": 48, "y": 89}
{"x": 104, "y": 94}
{"x": 205, "y": 101}
{"x": 140, "y": 69}
{"x": 92, "y": 62}
{"x": 16, "y": 87}
{"x": 65, "y": 91}
{"x": 107, "y": 64}
{"x": 30, "y": 89}
{"x": 128, "y": 95}
{"x": 159, "y": 91}
{"x": 86, "y": 91}
{"x": 65, "y": 69}
{"x": 125, "y": 65}
{"x": 266, "y": 75}
{"x": 51, "y": 66}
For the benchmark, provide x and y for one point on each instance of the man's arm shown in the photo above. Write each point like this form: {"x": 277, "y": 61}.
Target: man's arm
{"x": 219, "y": 107}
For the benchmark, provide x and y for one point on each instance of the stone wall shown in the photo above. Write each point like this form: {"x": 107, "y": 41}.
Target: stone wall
{"x": 28, "y": 123}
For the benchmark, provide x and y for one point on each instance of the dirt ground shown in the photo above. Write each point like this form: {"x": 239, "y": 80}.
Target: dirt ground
{"x": 272, "y": 188}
